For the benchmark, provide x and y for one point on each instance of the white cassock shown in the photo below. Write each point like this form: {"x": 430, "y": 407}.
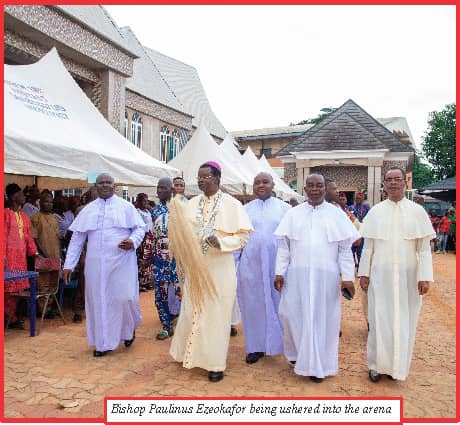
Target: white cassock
{"x": 396, "y": 256}
{"x": 112, "y": 286}
{"x": 315, "y": 251}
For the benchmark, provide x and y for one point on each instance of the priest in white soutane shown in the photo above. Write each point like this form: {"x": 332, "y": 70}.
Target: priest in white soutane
{"x": 114, "y": 229}
{"x": 314, "y": 251}
{"x": 396, "y": 270}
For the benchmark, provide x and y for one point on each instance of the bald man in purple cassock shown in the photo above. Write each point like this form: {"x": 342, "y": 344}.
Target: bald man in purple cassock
{"x": 257, "y": 297}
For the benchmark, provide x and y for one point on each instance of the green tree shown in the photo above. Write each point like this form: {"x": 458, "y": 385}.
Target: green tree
{"x": 422, "y": 174}
{"x": 438, "y": 144}
{"x": 324, "y": 113}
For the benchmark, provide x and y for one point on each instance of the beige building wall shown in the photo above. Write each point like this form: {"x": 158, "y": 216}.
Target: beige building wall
{"x": 256, "y": 145}
{"x": 148, "y": 136}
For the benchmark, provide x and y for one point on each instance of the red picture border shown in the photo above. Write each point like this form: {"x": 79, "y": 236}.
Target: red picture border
{"x": 212, "y": 2}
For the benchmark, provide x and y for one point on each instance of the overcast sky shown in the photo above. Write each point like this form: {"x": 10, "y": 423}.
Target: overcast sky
{"x": 268, "y": 66}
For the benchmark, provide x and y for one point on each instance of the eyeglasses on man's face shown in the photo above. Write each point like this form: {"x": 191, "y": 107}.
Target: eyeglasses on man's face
{"x": 204, "y": 177}
{"x": 394, "y": 179}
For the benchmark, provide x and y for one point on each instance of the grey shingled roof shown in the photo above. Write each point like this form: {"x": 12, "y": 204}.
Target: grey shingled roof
{"x": 147, "y": 80}
{"x": 99, "y": 21}
{"x": 446, "y": 184}
{"x": 185, "y": 83}
{"x": 271, "y": 131}
{"x": 348, "y": 128}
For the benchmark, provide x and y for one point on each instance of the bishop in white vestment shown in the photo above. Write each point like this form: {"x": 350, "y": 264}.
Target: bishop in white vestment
{"x": 222, "y": 226}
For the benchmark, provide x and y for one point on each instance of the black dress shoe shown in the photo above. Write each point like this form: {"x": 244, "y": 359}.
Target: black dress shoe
{"x": 374, "y": 376}
{"x": 77, "y": 318}
{"x": 50, "y": 315}
{"x": 128, "y": 342}
{"x": 316, "y": 380}
{"x": 215, "y": 376}
{"x": 254, "y": 357}
{"x": 100, "y": 353}
{"x": 390, "y": 377}
{"x": 233, "y": 331}
{"x": 19, "y": 324}
{"x": 292, "y": 362}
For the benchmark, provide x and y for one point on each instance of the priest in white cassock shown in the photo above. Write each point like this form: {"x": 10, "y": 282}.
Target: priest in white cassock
{"x": 396, "y": 270}
{"x": 114, "y": 229}
{"x": 315, "y": 250}
{"x": 257, "y": 297}
{"x": 221, "y": 226}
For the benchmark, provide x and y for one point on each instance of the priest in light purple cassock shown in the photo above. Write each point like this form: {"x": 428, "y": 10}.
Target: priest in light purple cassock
{"x": 257, "y": 297}
{"x": 114, "y": 229}
{"x": 315, "y": 251}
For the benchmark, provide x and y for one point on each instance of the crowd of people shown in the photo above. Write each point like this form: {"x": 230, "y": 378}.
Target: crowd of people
{"x": 284, "y": 265}
{"x": 444, "y": 227}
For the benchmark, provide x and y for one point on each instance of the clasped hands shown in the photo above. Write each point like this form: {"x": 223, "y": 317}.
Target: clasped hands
{"x": 126, "y": 244}
{"x": 212, "y": 241}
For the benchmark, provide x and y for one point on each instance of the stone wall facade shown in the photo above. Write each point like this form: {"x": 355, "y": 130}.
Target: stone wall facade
{"x": 96, "y": 95}
{"x": 28, "y": 49}
{"x": 59, "y": 27}
{"x": 290, "y": 173}
{"x": 113, "y": 88}
{"x": 347, "y": 178}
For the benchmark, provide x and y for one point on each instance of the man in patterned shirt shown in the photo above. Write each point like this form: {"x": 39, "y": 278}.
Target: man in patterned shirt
{"x": 164, "y": 268}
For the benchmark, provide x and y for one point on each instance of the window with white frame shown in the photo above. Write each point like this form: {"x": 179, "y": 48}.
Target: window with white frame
{"x": 71, "y": 192}
{"x": 174, "y": 146}
{"x": 125, "y": 128}
{"x": 124, "y": 193}
{"x": 164, "y": 143}
{"x": 136, "y": 130}
{"x": 170, "y": 143}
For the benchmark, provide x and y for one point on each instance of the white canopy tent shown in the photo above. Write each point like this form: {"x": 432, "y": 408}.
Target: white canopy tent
{"x": 229, "y": 149}
{"x": 52, "y": 129}
{"x": 251, "y": 162}
{"x": 280, "y": 186}
{"x": 199, "y": 149}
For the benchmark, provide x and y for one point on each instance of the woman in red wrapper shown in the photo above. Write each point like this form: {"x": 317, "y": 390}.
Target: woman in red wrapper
{"x": 18, "y": 244}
